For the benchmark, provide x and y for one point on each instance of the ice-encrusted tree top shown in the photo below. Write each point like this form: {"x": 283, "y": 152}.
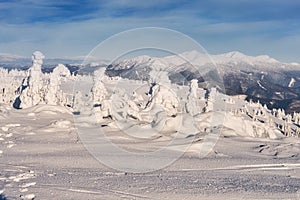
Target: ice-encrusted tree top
{"x": 30, "y": 93}
{"x": 37, "y": 60}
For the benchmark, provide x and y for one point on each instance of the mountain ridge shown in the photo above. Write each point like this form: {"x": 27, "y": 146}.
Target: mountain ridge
{"x": 262, "y": 78}
{"x": 234, "y": 55}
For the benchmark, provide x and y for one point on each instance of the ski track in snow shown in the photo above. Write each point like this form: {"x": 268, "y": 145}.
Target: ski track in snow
{"x": 258, "y": 167}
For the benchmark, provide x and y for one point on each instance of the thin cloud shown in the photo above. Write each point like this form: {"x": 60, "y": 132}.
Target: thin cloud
{"x": 73, "y": 28}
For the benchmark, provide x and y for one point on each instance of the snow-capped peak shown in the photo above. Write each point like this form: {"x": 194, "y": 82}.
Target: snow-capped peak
{"x": 295, "y": 64}
{"x": 238, "y": 56}
{"x": 192, "y": 54}
{"x": 266, "y": 58}
{"x": 234, "y": 54}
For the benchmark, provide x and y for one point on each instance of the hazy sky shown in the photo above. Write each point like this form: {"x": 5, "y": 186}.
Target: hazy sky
{"x": 68, "y": 28}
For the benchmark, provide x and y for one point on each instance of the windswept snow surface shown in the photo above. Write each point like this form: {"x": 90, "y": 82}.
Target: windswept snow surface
{"x": 53, "y": 164}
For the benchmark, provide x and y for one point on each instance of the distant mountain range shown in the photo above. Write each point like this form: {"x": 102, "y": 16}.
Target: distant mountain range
{"x": 20, "y": 62}
{"x": 262, "y": 78}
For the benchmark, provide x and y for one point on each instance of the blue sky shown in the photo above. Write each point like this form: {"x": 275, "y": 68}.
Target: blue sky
{"x": 70, "y": 28}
